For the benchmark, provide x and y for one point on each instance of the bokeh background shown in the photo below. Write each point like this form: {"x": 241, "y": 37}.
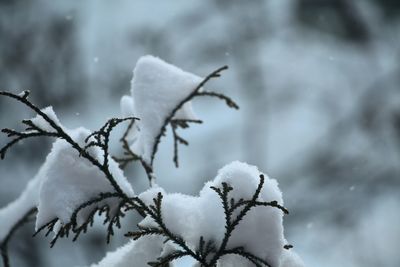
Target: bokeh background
{"x": 318, "y": 86}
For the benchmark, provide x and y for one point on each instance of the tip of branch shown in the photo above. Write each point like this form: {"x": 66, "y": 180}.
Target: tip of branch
{"x": 24, "y": 94}
{"x": 288, "y": 246}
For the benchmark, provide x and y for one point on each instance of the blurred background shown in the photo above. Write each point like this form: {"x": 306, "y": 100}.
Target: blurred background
{"x": 318, "y": 86}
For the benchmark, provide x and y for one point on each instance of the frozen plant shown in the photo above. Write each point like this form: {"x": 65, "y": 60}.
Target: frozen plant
{"x": 236, "y": 219}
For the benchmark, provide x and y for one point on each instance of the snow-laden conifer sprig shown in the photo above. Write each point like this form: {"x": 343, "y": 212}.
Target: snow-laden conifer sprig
{"x": 31, "y": 129}
{"x": 54, "y": 129}
{"x": 170, "y": 119}
{"x": 74, "y": 228}
{"x": 208, "y": 248}
{"x": 230, "y": 205}
{"x": 130, "y": 156}
{"x": 196, "y": 92}
{"x": 207, "y": 253}
{"x": 175, "y": 124}
{"x": 155, "y": 212}
{"x": 205, "y": 248}
{"x": 59, "y": 132}
{"x": 102, "y": 137}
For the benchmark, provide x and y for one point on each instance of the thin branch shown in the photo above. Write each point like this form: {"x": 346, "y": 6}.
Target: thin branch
{"x": 60, "y": 133}
{"x": 175, "y": 124}
{"x": 4, "y": 243}
{"x": 164, "y": 261}
{"x": 154, "y": 211}
{"x": 102, "y": 137}
{"x": 130, "y": 156}
{"x": 19, "y": 137}
{"x": 195, "y": 92}
{"x": 231, "y": 223}
{"x": 77, "y": 229}
{"x": 205, "y": 249}
{"x": 229, "y": 102}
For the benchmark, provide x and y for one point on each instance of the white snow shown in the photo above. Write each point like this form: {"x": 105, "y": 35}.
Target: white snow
{"x": 234, "y": 261}
{"x": 157, "y": 88}
{"x": 291, "y": 259}
{"x": 69, "y": 180}
{"x": 64, "y": 182}
{"x": 127, "y": 106}
{"x": 40, "y": 122}
{"x": 169, "y": 247}
{"x": 16, "y": 210}
{"x": 128, "y": 110}
{"x": 148, "y": 195}
{"x": 135, "y": 253}
{"x": 260, "y": 232}
{"x": 148, "y": 222}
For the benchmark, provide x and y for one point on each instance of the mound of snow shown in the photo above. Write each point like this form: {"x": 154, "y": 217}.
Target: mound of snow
{"x": 157, "y": 88}
{"x": 135, "y": 253}
{"x": 260, "y": 232}
{"x": 40, "y": 122}
{"x": 68, "y": 180}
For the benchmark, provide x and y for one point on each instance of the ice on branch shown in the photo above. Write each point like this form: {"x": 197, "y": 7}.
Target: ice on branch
{"x": 68, "y": 180}
{"x": 42, "y": 124}
{"x": 157, "y": 88}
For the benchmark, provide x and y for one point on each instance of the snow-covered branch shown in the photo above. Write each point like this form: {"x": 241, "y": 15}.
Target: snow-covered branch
{"x": 235, "y": 211}
{"x": 237, "y": 216}
{"x": 161, "y": 96}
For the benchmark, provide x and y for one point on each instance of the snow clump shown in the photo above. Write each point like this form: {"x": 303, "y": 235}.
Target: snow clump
{"x": 68, "y": 180}
{"x": 260, "y": 232}
{"x": 157, "y": 88}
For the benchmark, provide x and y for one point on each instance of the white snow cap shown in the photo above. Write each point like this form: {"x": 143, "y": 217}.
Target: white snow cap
{"x": 260, "y": 232}
{"x": 128, "y": 110}
{"x": 157, "y": 88}
{"x": 40, "y": 122}
{"x": 16, "y": 210}
{"x": 127, "y": 106}
{"x": 291, "y": 259}
{"x": 64, "y": 182}
{"x": 28, "y": 200}
{"x": 69, "y": 180}
{"x": 135, "y": 253}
